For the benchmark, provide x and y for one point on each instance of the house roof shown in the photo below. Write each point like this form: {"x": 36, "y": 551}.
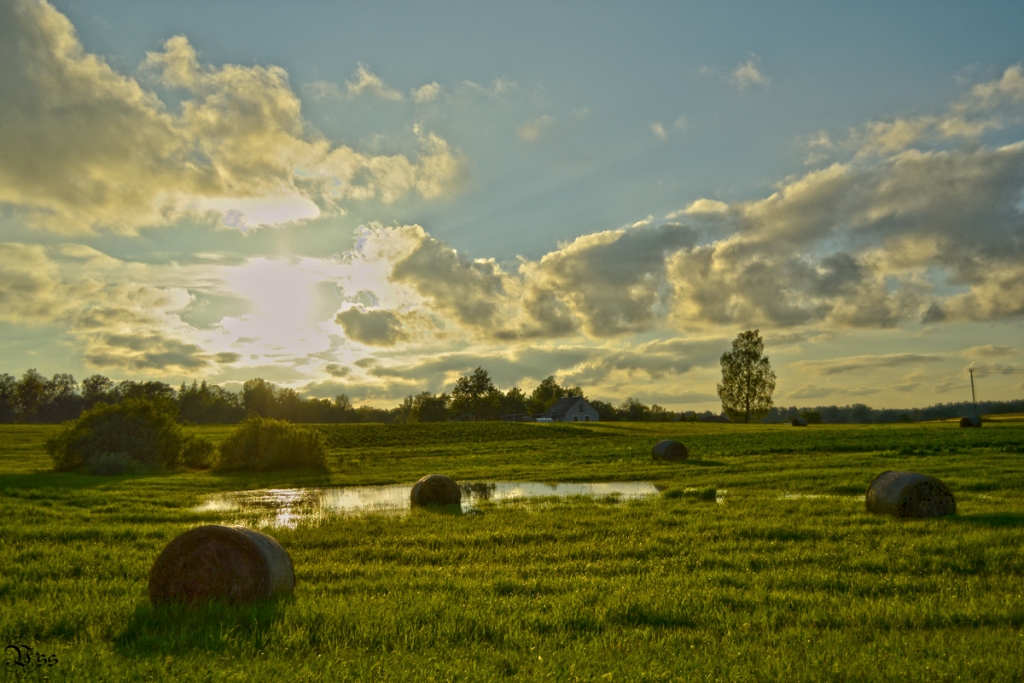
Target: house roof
{"x": 562, "y": 406}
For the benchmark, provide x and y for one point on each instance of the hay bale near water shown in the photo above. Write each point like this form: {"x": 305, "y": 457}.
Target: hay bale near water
{"x": 669, "y": 451}
{"x": 970, "y": 422}
{"x": 228, "y": 563}
{"x": 799, "y": 422}
{"x": 436, "y": 489}
{"x": 909, "y": 494}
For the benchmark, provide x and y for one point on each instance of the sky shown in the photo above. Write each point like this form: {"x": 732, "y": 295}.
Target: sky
{"x": 374, "y": 200}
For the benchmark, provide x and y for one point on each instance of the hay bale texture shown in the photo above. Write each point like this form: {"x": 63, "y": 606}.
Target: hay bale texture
{"x": 909, "y": 494}
{"x": 799, "y": 422}
{"x": 227, "y": 563}
{"x": 436, "y": 489}
{"x": 669, "y": 450}
{"x": 970, "y": 422}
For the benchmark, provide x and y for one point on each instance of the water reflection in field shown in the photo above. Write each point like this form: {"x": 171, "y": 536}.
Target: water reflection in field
{"x": 289, "y": 507}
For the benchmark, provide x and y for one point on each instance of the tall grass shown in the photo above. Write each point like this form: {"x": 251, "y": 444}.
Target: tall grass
{"x": 787, "y": 579}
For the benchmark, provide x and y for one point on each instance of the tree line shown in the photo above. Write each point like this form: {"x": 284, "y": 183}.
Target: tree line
{"x": 36, "y": 399}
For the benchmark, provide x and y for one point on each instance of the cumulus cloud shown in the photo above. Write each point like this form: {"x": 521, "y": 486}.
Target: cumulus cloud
{"x": 365, "y": 82}
{"x": 84, "y": 147}
{"x": 427, "y": 93}
{"x": 372, "y": 327}
{"x": 122, "y": 325}
{"x": 885, "y": 225}
{"x": 532, "y": 129}
{"x": 748, "y": 73}
{"x": 987, "y": 106}
{"x": 31, "y": 290}
{"x": 604, "y": 284}
{"x": 659, "y": 131}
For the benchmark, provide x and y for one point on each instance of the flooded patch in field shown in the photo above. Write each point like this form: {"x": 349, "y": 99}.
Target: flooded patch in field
{"x": 289, "y": 507}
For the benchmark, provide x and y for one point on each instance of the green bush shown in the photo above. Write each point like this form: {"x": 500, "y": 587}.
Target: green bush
{"x": 113, "y": 465}
{"x": 118, "y": 439}
{"x": 260, "y": 444}
{"x": 197, "y": 452}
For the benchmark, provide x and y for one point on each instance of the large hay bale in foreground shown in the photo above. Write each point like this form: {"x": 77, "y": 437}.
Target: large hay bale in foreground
{"x": 227, "y": 563}
{"x": 799, "y": 422}
{"x": 909, "y": 494}
{"x": 436, "y": 489}
{"x": 970, "y": 422}
{"x": 669, "y": 450}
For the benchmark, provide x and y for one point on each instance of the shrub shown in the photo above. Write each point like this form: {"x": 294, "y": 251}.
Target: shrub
{"x": 117, "y": 439}
{"x": 113, "y": 465}
{"x": 197, "y": 452}
{"x": 261, "y": 444}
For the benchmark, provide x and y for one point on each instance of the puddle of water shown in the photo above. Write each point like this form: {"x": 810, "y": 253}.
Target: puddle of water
{"x": 289, "y": 507}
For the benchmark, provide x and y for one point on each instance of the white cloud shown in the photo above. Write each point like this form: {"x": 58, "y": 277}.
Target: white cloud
{"x": 987, "y": 106}
{"x": 532, "y": 129}
{"x": 659, "y": 131}
{"x": 365, "y": 82}
{"x": 427, "y": 93}
{"x": 749, "y": 73}
{"x": 83, "y": 147}
{"x": 681, "y": 123}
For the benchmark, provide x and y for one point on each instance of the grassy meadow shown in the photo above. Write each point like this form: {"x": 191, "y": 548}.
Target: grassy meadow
{"x": 785, "y": 578}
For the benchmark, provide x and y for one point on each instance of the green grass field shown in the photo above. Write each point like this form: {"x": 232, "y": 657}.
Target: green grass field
{"x": 788, "y": 578}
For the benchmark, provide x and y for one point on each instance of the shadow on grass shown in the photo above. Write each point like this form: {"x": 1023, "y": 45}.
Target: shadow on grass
{"x": 213, "y": 627}
{"x": 994, "y": 519}
{"x": 66, "y": 480}
{"x": 454, "y": 510}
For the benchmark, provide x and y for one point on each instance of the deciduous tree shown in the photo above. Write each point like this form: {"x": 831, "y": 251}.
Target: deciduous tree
{"x": 747, "y": 379}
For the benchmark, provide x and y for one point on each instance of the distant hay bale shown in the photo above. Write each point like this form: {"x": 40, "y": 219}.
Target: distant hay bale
{"x": 436, "y": 489}
{"x": 227, "y": 563}
{"x": 908, "y": 494}
{"x": 799, "y": 422}
{"x": 970, "y": 422}
{"x": 669, "y": 451}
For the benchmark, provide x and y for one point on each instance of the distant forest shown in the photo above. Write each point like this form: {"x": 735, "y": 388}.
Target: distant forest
{"x": 36, "y": 399}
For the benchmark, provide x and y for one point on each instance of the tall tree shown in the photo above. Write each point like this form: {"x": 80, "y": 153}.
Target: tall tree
{"x": 8, "y": 398}
{"x": 548, "y": 392}
{"x": 747, "y": 379}
{"x": 476, "y": 395}
{"x": 259, "y": 397}
{"x": 32, "y": 392}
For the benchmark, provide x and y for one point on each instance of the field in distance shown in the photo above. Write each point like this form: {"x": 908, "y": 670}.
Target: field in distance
{"x": 786, "y": 578}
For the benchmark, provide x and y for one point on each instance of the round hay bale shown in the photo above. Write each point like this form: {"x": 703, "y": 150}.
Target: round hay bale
{"x": 436, "y": 489}
{"x": 669, "y": 450}
{"x": 970, "y": 422}
{"x": 909, "y": 494}
{"x": 228, "y": 563}
{"x": 799, "y": 422}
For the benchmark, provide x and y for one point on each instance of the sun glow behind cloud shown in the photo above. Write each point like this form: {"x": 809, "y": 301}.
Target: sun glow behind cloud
{"x": 284, "y": 299}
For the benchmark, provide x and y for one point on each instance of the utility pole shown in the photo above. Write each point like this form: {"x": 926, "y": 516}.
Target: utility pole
{"x": 973, "y": 399}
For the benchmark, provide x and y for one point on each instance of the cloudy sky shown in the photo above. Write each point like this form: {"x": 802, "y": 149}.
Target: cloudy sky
{"x": 375, "y": 200}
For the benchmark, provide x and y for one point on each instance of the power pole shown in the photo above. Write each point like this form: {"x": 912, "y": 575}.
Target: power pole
{"x": 973, "y": 399}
